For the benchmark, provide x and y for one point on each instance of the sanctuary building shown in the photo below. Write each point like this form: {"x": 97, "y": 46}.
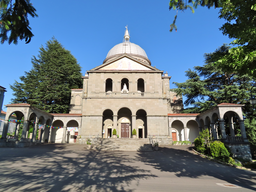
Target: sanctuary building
{"x": 123, "y": 94}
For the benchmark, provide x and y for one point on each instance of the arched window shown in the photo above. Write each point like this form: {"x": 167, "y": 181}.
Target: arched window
{"x": 125, "y": 82}
{"x": 108, "y": 85}
{"x": 140, "y": 85}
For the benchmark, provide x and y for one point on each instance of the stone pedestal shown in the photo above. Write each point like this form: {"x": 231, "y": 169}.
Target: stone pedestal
{"x": 241, "y": 151}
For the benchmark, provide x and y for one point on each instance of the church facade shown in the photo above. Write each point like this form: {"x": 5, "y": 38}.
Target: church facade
{"x": 125, "y": 93}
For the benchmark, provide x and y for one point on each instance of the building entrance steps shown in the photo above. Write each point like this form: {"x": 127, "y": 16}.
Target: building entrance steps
{"x": 122, "y": 144}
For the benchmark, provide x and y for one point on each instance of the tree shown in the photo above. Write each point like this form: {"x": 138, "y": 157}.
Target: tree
{"x": 208, "y": 86}
{"x": 240, "y": 24}
{"x": 14, "y": 19}
{"x": 47, "y": 85}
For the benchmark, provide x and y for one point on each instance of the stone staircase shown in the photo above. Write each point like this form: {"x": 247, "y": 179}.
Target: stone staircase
{"x": 122, "y": 144}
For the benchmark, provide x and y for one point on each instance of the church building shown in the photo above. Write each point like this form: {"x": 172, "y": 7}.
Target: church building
{"x": 126, "y": 97}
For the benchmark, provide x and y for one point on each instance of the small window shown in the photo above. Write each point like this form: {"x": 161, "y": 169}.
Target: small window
{"x": 109, "y": 85}
{"x": 140, "y": 85}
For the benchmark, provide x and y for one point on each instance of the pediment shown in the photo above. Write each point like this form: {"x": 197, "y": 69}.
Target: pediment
{"x": 125, "y": 63}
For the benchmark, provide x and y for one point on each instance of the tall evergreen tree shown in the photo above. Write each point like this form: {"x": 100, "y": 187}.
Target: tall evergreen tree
{"x": 47, "y": 85}
{"x": 208, "y": 86}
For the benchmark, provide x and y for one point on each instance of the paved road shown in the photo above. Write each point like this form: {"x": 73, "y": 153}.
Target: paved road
{"x": 63, "y": 167}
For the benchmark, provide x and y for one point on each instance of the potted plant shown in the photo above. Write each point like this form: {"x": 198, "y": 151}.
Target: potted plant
{"x": 155, "y": 146}
{"x": 134, "y": 133}
{"x": 89, "y": 143}
{"x": 114, "y": 133}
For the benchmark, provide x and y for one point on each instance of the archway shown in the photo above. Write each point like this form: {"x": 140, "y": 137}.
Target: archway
{"x": 57, "y": 132}
{"x": 232, "y": 127}
{"x": 72, "y": 132}
{"x": 178, "y": 131}
{"x": 124, "y": 122}
{"x": 107, "y": 124}
{"x": 193, "y": 130}
{"x": 141, "y": 124}
{"x": 15, "y": 125}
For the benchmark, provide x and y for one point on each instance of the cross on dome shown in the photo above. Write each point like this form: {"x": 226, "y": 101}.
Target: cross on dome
{"x": 126, "y": 34}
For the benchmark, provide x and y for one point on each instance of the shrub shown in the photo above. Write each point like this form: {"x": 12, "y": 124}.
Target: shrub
{"x": 89, "y": 142}
{"x": 114, "y": 132}
{"x": 134, "y": 132}
{"x": 219, "y": 151}
{"x": 199, "y": 145}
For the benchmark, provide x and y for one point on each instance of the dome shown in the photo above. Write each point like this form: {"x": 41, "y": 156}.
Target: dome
{"x": 127, "y": 48}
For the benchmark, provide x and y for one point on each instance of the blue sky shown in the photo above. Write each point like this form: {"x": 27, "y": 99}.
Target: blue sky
{"x": 89, "y": 29}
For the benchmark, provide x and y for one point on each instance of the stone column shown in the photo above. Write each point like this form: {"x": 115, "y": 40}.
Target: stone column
{"x": 114, "y": 125}
{"x": 222, "y": 128}
{"x": 213, "y": 131}
{"x": 134, "y": 123}
{"x": 241, "y": 123}
{"x": 64, "y": 135}
{"x": 34, "y": 131}
{"x": 231, "y": 126}
{"x": 42, "y": 132}
{"x": 5, "y": 129}
{"x": 16, "y": 128}
{"x": 50, "y": 134}
{"x": 24, "y": 131}
{"x": 185, "y": 133}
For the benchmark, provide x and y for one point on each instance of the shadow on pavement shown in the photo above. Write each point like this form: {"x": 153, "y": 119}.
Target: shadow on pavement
{"x": 182, "y": 163}
{"x": 56, "y": 167}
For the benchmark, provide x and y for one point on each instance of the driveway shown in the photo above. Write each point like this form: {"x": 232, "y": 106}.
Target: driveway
{"x": 66, "y": 167}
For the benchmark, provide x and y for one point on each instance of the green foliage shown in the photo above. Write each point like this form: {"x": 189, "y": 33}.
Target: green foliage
{"x": 202, "y": 141}
{"x": 134, "y": 132}
{"x": 89, "y": 142}
{"x": 114, "y": 132}
{"x": 240, "y": 24}
{"x": 208, "y": 86}
{"x": 250, "y": 127}
{"x": 14, "y": 20}
{"x": 219, "y": 151}
{"x": 47, "y": 86}
{"x": 200, "y": 145}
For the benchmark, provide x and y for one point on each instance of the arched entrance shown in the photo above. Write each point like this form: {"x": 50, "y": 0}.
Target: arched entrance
{"x": 178, "y": 131}
{"x": 141, "y": 123}
{"x": 72, "y": 132}
{"x": 15, "y": 125}
{"x": 124, "y": 122}
{"x": 57, "y": 132}
{"x": 193, "y": 130}
{"x": 107, "y": 124}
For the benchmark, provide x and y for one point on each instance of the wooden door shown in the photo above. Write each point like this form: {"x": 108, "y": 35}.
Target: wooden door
{"x": 174, "y": 136}
{"x": 124, "y": 130}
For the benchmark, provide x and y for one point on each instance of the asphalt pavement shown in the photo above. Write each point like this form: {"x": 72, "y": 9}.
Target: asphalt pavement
{"x": 67, "y": 167}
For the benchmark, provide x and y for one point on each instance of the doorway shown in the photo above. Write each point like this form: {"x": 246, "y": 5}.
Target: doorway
{"x": 140, "y": 133}
{"x": 109, "y": 133}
